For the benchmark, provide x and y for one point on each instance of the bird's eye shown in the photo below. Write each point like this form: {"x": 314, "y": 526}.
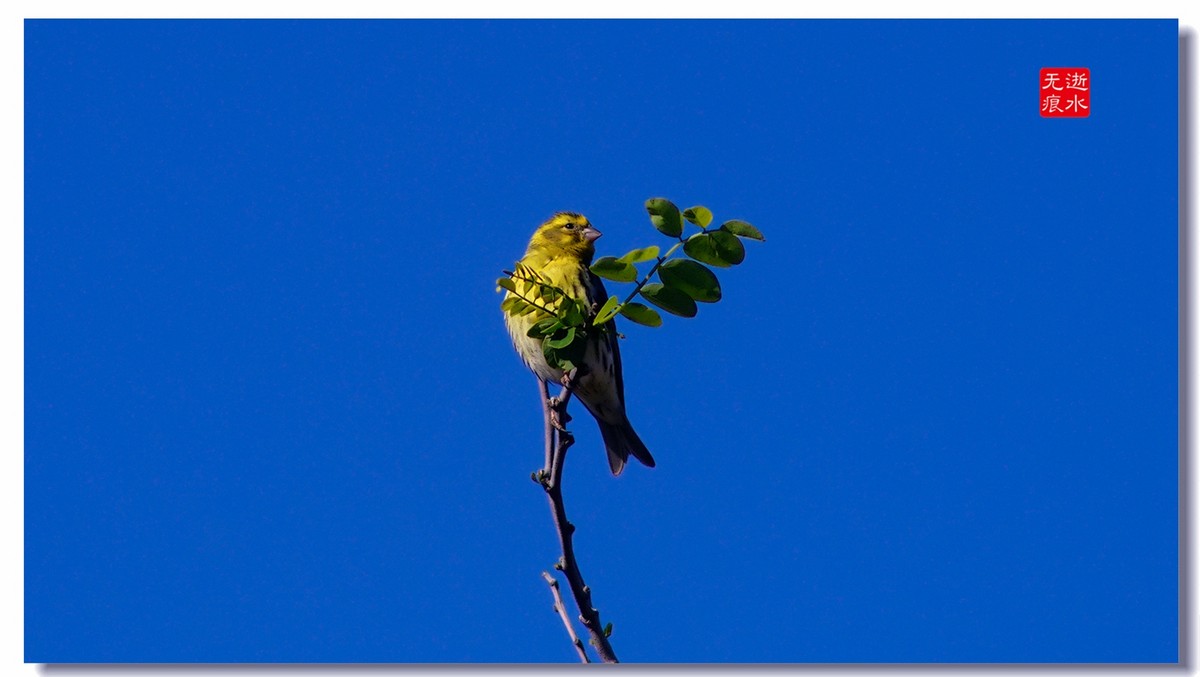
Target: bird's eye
{"x": 569, "y": 226}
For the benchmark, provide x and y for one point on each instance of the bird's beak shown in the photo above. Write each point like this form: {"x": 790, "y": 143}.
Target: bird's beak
{"x": 591, "y": 234}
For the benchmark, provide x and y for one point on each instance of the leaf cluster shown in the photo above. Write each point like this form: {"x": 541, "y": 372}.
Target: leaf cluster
{"x": 682, "y": 283}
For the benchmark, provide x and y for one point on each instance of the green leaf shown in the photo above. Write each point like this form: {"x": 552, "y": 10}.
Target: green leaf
{"x": 549, "y": 293}
{"x": 507, "y": 283}
{"x": 517, "y": 307}
{"x": 513, "y": 305}
{"x": 543, "y": 328}
{"x": 567, "y": 351}
{"x": 557, "y": 358}
{"x": 563, "y": 341}
{"x": 729, "y": 247}
{"x": 702, "y": 248}
{"x": 717, "y": 248}
{"x": 607, "y": 311}
{"x": 665, "y": 216}
{"x": 642, "y": 314}
{"x": 572, "y": 314}
{"x": 610, "y": 268}
{"x": 641, "y": 255}
{"x": 669, "y": 299}
{"x": 743, "y": 229}
{"x": 691, "y": 278}
{"x": 698, "y": 215}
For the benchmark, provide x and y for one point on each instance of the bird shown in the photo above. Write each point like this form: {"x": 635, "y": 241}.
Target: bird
{"x": 560, "y": 252}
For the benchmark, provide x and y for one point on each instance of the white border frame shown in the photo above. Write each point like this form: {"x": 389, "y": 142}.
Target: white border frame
{"x": 12, "y": 286}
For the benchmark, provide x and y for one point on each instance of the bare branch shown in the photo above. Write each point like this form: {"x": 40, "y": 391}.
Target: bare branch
{"x": 562, "y": 613}
{"x": 544, "y": 390}
{"x": 552, "y": 484}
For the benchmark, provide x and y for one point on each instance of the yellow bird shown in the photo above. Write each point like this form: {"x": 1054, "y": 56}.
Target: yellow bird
{"x": 561, "y": 251}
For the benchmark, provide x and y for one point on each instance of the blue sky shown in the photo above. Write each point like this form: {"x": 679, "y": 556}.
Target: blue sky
{"x": 272, "y": 413}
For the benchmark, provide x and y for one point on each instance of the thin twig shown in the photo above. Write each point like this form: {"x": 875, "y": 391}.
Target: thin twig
{"x": 588, "y": 615}
{"x": 556, "y": 409}
{"x": 658, "y": 264}
{"x": 544, "y": 390}
{"x": 562, "y": 613}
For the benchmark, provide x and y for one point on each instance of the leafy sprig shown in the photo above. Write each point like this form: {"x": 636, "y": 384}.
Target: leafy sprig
{"x": 566, "y": 323}
{"x": 682, "y": 283}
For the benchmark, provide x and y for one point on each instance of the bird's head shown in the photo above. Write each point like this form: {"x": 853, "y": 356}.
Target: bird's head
{"x": 566, "y": 233}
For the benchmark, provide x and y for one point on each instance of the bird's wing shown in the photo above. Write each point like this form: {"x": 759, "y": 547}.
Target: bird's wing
{"x": 600, "y": 295}
{"x": 611, "y": 337}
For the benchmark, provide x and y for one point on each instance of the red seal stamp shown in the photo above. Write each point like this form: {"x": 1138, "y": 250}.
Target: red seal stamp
{"x": 1066, "y": 92}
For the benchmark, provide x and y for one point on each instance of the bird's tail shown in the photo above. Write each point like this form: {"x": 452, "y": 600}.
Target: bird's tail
{"x": 621, "y": 442}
